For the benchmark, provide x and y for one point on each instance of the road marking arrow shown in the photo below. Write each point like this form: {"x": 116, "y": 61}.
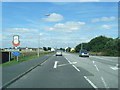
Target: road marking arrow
{"x": 55, "y": 65}
{"x": 67, "y": 64}
{"x": 114, "y": 68}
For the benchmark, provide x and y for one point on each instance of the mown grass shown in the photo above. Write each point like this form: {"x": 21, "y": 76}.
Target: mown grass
{"x": 13, "y": 62}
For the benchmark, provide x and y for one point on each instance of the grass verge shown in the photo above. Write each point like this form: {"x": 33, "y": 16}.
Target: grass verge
{"x": 13, "y": 62}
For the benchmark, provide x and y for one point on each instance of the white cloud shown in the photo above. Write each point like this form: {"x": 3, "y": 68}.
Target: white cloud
{"x": 66, "y": 27}
{"x": 20, "y": 30}
{"x": 103, "y": 19}
{"x": 54, "y": 18}
{"x": 106, "y": 27}
{"x": 41, "y": 34}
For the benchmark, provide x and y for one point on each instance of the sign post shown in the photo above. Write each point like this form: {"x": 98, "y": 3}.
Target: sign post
{"x": 16, "y": 43}
{"x": 9, "y": 56}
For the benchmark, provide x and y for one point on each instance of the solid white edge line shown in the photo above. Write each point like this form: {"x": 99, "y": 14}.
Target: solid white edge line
{"x": 73, "y": 65}
{"x": 55, "y": 65}
{"x": 90, "y": 82}
{"x": 104, "y": 82}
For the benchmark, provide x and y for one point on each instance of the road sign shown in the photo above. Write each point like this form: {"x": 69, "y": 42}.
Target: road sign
{"x": 16, "y": 41}
{"x": 16, "y": 53}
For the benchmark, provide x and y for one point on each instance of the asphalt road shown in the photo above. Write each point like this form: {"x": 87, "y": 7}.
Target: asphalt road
{"x": 11, "y": 72}
{"x": 72, "y": 71}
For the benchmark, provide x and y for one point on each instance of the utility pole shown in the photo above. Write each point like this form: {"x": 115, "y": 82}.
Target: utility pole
{"x": 81, "y": 46}
{"x": 38, "y": 46}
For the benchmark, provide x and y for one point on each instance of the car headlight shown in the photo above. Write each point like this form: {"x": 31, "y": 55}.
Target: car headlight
{"x": 82, "y": 53}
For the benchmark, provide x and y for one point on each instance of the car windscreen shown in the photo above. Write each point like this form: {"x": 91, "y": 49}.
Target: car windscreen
{"x": 83, "y": 51}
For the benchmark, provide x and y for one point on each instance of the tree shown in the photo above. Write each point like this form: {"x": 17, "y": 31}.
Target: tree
{"x": 108, "y": 46}
{"x": 84, "y": 46}
{"x": 45, "y": 49}
{"x": 62, "y": 49}
{"x": 77, "y": 48}
{"x": 112, "y": 47}
{"x": 49, "y": 48}
{"x": 68, "y": 49}
{"x": 97, "y": 44}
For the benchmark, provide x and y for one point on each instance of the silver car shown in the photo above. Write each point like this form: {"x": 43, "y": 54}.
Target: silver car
{"x": 83, "y": 53}
{"x": 58, "y": 53}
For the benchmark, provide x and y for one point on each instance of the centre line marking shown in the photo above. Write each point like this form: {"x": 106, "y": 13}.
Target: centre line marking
{"x": 73, "y": 65}
{"x": 96, "y": 67}
{"x": 55, "y": 65}
{"x": 93, "y": 62}
{"x": 90, "y": 82}
{"x": 76, "y": 68}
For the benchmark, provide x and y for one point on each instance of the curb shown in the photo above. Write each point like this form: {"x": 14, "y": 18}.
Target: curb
{"x": 21, "y": 75}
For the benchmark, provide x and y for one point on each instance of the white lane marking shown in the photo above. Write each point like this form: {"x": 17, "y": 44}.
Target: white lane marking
{"x": 117, "y": 65}
{"x": 55, "y": 65}
{"x": 93, "y": 62}
{"x": 90, "y": 82}
{"x": 104, "y": 82}
{"x": 73, "y": 65}
{"x": 67, "y": 64}
{"x": 76, "y": 68}
{"x": 114, "y": 68}
{"x": 96, "y": 67}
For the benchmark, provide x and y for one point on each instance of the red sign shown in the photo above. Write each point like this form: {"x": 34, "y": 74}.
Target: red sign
{"x": 16, "y": 41}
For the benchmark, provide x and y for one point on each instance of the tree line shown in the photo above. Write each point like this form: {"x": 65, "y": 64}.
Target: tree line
{"x": 107, "y": 46}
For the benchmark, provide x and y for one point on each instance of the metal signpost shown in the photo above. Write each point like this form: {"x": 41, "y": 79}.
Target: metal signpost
{"x": 16, "y": 43}
{"x": 9, "y": 56}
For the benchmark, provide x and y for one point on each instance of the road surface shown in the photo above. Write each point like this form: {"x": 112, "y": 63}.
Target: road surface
{"x": 72, "y": 71}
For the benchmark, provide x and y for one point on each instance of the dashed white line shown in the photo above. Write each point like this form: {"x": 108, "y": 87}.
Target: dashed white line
{"x": 104, "y": 82}
{"x": 84, "y": 76}
{"x": 76, "y": 68}
{"x": 93, "y": 62}
{"x": 96, "y": 67}
{"x": 55, "y": 65}
{"x": 90, "y": 82}
{"x": 73, "y": 65}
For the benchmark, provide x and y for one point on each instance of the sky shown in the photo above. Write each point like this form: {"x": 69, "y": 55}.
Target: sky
{"x": 57, "y": 24}
{"x": 60, "y": 0}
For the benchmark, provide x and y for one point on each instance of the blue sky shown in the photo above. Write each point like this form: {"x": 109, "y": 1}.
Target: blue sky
{"x": 60, "y": 0}
{"x": 68, "y": 24}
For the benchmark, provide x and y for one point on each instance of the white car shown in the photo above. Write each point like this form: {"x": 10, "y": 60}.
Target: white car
{"x": 58, "y": 53}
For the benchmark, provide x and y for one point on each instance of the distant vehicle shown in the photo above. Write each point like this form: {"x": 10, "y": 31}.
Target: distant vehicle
{"x": 59, "y": 53}
{"x": 83, "y": 53}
